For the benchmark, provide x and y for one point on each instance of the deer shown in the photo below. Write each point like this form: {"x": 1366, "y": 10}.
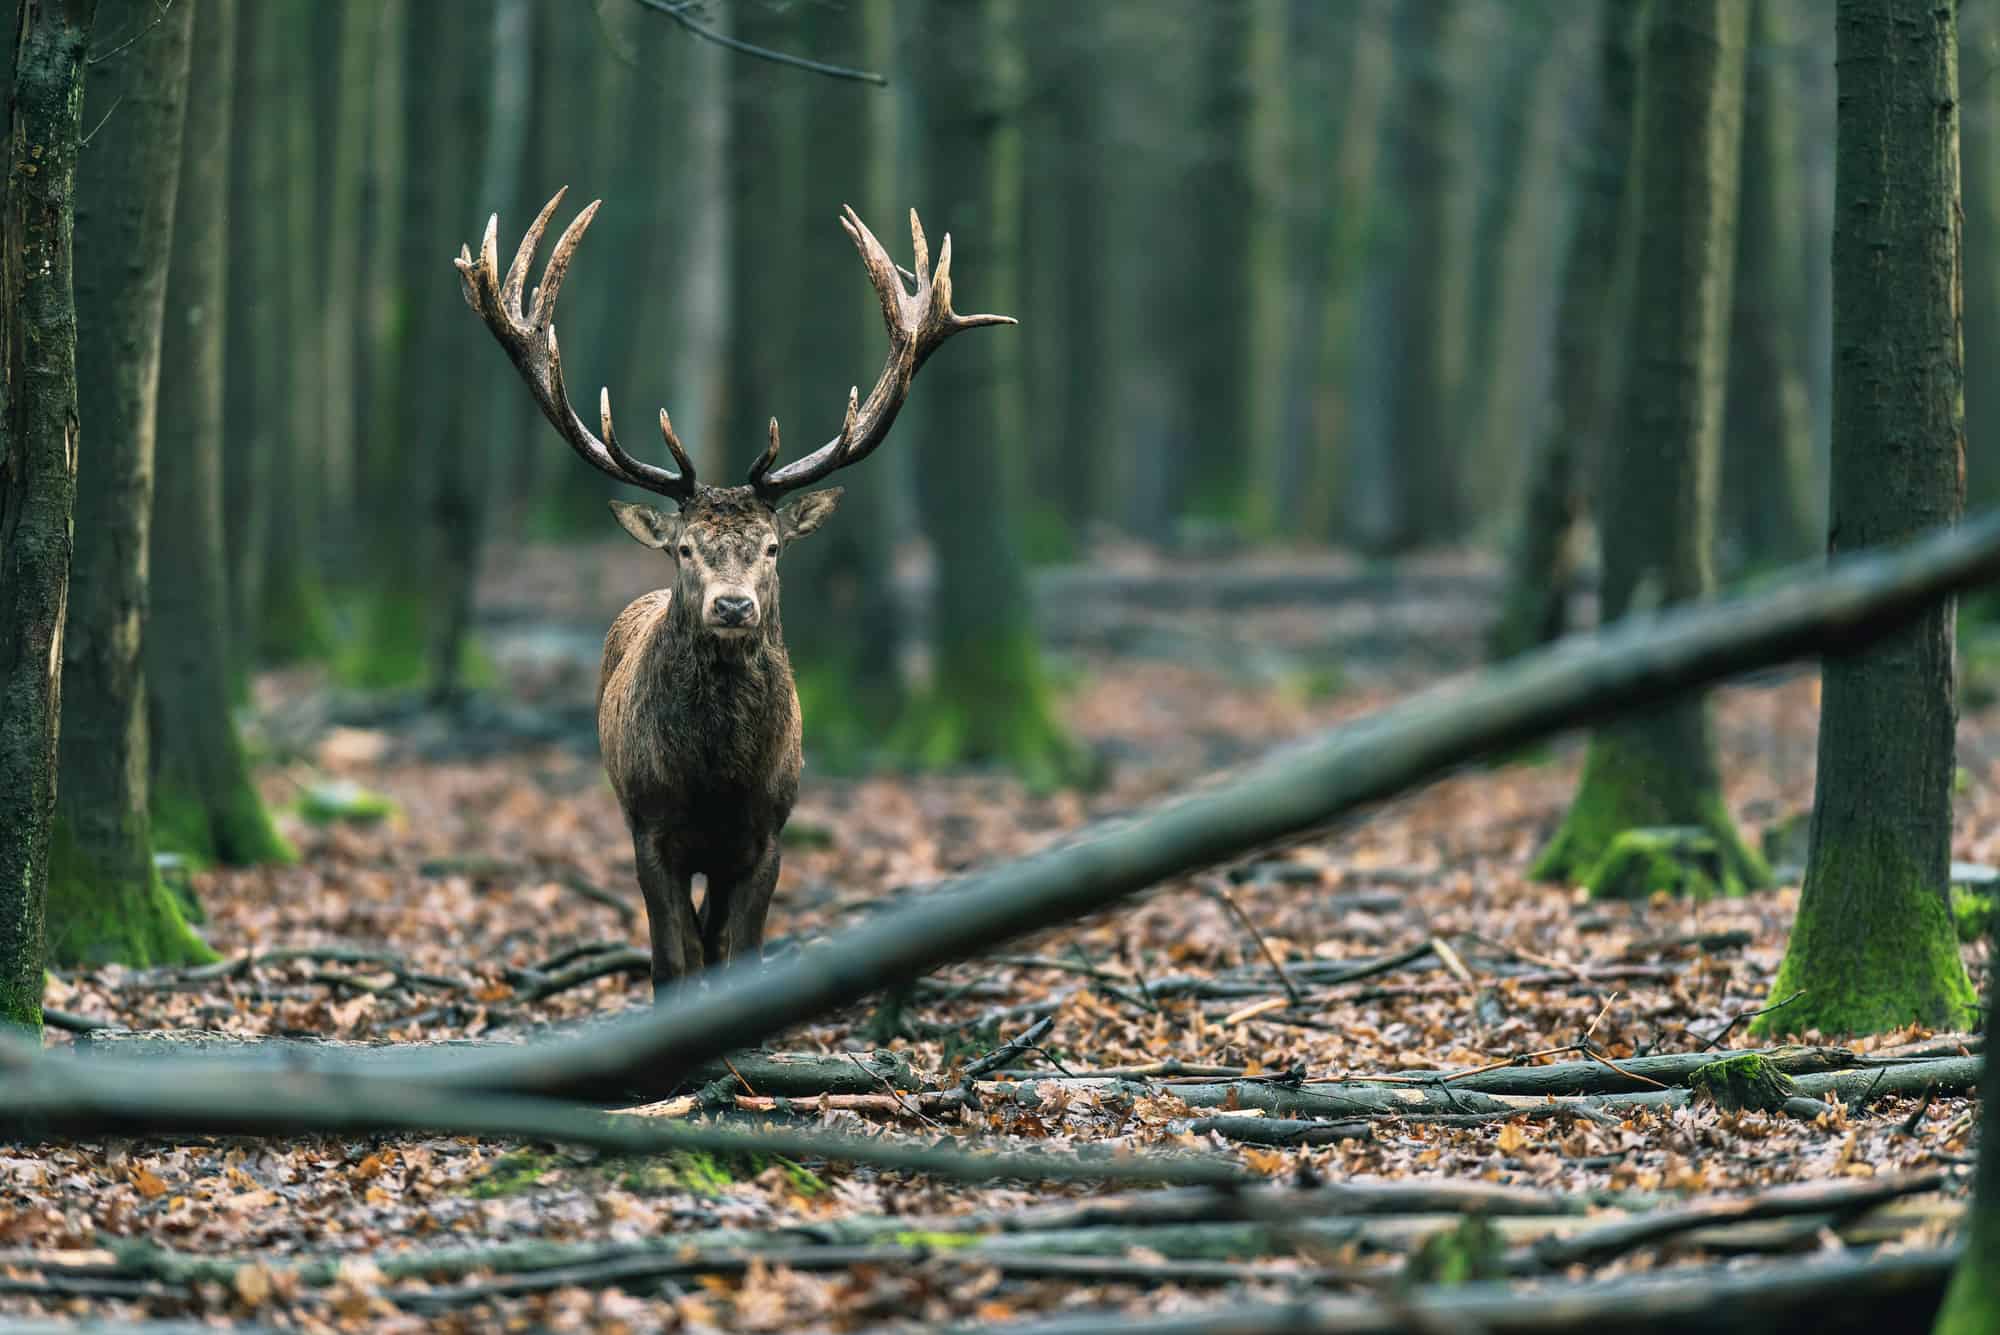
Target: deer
{"x": 697, "y": 715}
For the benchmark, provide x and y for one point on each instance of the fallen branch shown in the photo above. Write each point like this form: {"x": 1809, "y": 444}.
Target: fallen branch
{"x": 1849, "y": 1292}
{"x": 1637, "y": 661}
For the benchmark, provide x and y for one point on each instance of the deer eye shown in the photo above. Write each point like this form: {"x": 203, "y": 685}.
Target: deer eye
{"x": 686, "y": 551}
{"x": 771, "y": 550}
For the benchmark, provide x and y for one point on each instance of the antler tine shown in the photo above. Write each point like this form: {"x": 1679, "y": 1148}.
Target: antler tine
{"x": 767, "y": 458}
{"x": 524, "y": 257}
{"x": 681, "y": 460}
{"x": 531, "y": 344}
{"x": 918, "y": 323}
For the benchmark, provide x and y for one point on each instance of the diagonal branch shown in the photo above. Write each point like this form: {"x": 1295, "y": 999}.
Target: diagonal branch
{"x": 677, "y": 10}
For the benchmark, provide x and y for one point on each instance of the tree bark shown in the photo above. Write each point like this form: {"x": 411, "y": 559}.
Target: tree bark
{"x": 1658, "y": 488}
{"x": 987, "y": 699}
{"x": 1542, "y": 561}
{"x": 38, "y": 464}
{"x": 842, "y": 625}
{"x": 106, "y": 902}
{"x": 1979, "y": 36}
{"x": 1427, "y": 500}
{"x": 1874, "y": 946}
{"x": 1767, "y": 436}
{"x": 204, "y": 802}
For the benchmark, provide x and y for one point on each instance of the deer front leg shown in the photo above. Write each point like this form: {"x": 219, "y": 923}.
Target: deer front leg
{"x": 670, "y": 916}
{"x": 732, "y": 918}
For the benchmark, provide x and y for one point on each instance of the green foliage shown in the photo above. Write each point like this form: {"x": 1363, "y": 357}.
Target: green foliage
{"x": 1047, "y": 537}
{"x": 1469, "y": 1251}
{"x": 521, "y": 1170}
{"x": 391, "y": 647}
{"x": 1674, "y": 860}
{"x": 97, "y": 916}
{"x": 295, "y": 622}
{"x": 342, "y": 800}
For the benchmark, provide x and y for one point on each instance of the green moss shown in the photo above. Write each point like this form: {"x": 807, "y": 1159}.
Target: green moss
{"x": 931, "y": 1240}
{"x": 1972, "y": 913}
{"x": 1785, "y": 839}
{"x": 807, "y": 834}
{"x": 1972, "y": 1301}
{"x": 326, "y": 803}
{"x": 843, "y": 717}
{"x": 1470, "y": 1251}
{"x": 1676, "y": 860}
{"x": 21, "y": 999}
{"x": 991, "y": 704}
{"x": 1873, "y": 949}
{"x": 1745, "y": 1082}
{"x": 388, "y": 649}
{"x": 99, "y": 915}
{"x": 295, "y": 623}
{"x": 1046, "y": 537}
{"x": 1644, "y": 774}
{"x": 514, "y": 1172}
{"x": 233, "y": 829}
{"x": 1309, "y": 685}
{"x": 177, "y": 874}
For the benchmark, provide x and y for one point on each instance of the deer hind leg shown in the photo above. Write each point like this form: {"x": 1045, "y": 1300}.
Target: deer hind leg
{"x": 670, "y": 916}
{"x": 732, "y": 917}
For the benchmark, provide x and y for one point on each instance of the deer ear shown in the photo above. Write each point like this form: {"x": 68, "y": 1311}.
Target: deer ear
{"x": 802, "y": 514}
{"x": 649, "y": 526}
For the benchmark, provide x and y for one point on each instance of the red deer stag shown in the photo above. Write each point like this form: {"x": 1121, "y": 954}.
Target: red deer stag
{"x": 696, "y": 712}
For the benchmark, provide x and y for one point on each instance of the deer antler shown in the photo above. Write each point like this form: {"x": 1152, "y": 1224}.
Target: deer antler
{"x": 918, "y": 323}
{"x": 530, "y": 343}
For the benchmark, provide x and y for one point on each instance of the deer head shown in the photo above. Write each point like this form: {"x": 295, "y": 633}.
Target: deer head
{"x": 725, "y": 541}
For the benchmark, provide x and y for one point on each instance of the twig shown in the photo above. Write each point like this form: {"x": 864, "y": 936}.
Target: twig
{"x": 894, "y": 1093}
{"x": 158, "y": 19}
{"x": 1214, "y": 888}
{"x": 589, "y": 969}
{"x": 1011, "y": 1049}
{"x": 678, "y": 13}
{"x": 1453, "y": 964}
{"x": 1741, "y": 1016}
{"x": 746, "y": 1084}
{"x": 75, "y": 1024}
{"x": 598, "y": 894}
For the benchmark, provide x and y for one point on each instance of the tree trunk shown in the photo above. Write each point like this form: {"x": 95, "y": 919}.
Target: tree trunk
{"x": 246, "y": 453}
{"x": 1426, "y": 501}
{"x": 38, "y": 449}
{"x": 204, "y": 803}
{"x": 1980, "y": 125}
{"x": 291, "y": 621}
{"x": 1542, "y": 563}
{"x": 1767, "y": 437}
{"x": 106, "y": 902}
{"x": 987, "y": 699}
{"x": 460, "y": 504}
{"x": 342, "y": 107}
{"x": 1658, "y": 488}
{"x": 1213, "y": 193}
{"x": 429, "y": 472}
{"x": 1874, "y": 945}
{"x": 842, "y": 623}
{"x": 1338, "y": 215}
{"x": 1972, "y": 1302}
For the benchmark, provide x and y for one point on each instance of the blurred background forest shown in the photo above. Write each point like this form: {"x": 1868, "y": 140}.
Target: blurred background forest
{"x": 1290, "y": 274}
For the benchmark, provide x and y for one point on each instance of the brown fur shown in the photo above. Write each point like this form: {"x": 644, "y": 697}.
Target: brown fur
{"x": 699, "y": 723}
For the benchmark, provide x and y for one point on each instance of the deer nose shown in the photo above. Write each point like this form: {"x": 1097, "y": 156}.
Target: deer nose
{"x": 734, "y": 609}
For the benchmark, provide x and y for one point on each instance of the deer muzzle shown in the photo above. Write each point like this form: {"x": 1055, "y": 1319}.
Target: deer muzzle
{"x": 732, "y": 612}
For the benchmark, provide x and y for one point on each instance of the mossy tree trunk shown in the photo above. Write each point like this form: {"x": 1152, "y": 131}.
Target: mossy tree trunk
{"x": 427, "y": 478}
{"x": 1542, "y": 560}
{"x": 987, "y": 699}
{"x": 1657, "y": 492}
{"x": 105, "y": 900}
{"x": 289, "y": 619}
{"x": 1767, "y": 436}
{"x": 1972, "y": 1302}
{"x": 38, "y": 459}
{"x": 494, "y": 104}
{"x": 204, "y": 804}
{"x": 842, "y": 623}
{"x": 1874, "y": 946}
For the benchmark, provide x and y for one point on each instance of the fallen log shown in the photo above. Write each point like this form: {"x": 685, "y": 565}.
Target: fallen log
{"x": 1857, "y": 1294}
{"x": 792, "y": 1075}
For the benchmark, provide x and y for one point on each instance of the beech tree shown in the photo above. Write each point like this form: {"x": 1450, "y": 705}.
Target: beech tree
{"x": 38, "y": 451}
{"x": 105, "y": 900}
{"x": 1657, "y": 489}
{"x": 204, "y": 802}
{"x": 1874, "y": 945}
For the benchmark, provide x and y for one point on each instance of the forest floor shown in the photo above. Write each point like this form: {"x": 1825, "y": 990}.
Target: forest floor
{"x": 503, "y": 844}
